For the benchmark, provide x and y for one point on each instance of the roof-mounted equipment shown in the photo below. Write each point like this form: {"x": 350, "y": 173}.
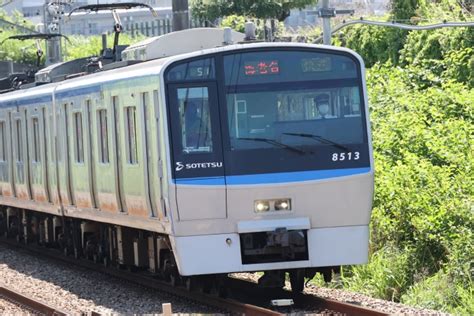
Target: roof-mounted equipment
{"x": 180, "y": 42}
{"x": 15, "y": 79}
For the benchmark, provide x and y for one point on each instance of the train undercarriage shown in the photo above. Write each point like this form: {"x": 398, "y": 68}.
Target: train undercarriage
{"x": 128, "y": 248}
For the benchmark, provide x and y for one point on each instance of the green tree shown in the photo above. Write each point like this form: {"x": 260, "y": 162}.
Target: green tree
{"x": 277, "y": 9}
{"x": 404, "y": 9}
{"x": 400, "y": 47}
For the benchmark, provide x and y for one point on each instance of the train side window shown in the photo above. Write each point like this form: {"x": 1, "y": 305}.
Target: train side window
{"x": 103, "y": 136}
{"x": 36, "y": 141}
{"x": 3, "y": 143}
{"x": 19, "y": 141}
{"x": 131, "y": 134}
{"x": 78, "y": 138}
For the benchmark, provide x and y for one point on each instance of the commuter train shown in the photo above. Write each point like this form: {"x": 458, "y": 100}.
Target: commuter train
{"x": 194, "y": 157}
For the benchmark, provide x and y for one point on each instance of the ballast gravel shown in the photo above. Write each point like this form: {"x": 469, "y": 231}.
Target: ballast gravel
{"x": 353, "y": 298}
{"x": 8, "y": 308}
{"x": 76, "y": 291}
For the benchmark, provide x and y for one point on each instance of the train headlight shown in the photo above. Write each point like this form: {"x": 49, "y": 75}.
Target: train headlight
{"x": 283, "y": 205}
{"x": 262, "y": 206}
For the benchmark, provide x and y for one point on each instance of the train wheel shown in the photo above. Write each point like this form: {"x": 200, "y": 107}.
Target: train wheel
{"x": 297, "y": 280}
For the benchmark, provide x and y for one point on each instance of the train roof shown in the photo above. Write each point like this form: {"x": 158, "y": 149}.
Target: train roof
{"x": 146, "y": 68}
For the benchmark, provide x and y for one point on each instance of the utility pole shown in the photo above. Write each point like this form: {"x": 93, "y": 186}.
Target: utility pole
{"x": 326, "y": 13}
{"x": 180, "y": 15}
{"x": 52, "y": 14}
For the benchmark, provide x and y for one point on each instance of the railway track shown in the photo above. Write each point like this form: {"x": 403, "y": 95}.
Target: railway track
{"x": 244, "y": 297}
{"x": 28, "y": 303}
{"x": 302, "y": 302}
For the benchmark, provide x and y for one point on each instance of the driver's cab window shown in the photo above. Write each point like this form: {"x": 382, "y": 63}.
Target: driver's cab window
{"x": 196, "y": 136}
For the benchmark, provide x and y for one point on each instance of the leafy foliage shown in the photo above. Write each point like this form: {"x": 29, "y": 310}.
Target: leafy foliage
{"x": 404, "y": 9}
{"x": 237, "y": 23}
{"x": 422, "y": 110}
{"x": 444, "y": 52}
{"x": 384, "y": 276}
{"x": 84, "y": 46}
{"x": 213, "y": 9}
{"x": 422, "y": 229}
{"x": 18, "y": 51}
{"x": 25, "y": 51}
{"x": 15, "y": 50}
{"x": 374, "y": 44}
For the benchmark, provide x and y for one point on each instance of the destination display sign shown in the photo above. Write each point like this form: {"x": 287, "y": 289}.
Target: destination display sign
{"x": 262, "y": 67}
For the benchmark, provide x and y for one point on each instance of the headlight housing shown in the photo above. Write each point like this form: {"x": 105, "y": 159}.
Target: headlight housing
{"x": 261, "y": 206}
{"x": 283, "y": 205}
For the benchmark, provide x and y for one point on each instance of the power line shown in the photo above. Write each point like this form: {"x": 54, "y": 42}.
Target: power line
{"x": 17, "y": 26}
{"x": 397, "y": 25}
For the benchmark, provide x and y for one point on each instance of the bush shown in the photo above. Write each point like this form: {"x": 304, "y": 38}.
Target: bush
{"x": 441, "y": 292}
{"x": 237, "y": 22}
{"x": 84, "y": 46}
{"x": 422, "y": 224}
{"x": 442, "y": 54}
{"x": 15, "y": 50}
{"x": 385, "y": 276}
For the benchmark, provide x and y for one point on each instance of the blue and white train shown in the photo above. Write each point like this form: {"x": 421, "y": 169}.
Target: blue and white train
{"x": 196, "y": 158}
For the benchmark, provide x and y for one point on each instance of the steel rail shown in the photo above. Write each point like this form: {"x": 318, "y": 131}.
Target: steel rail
{"x": 228, "y": 305}
{"x": 29, "y": 303}
{"x": 260, "y": 295}
{"x": 307, "y": 301}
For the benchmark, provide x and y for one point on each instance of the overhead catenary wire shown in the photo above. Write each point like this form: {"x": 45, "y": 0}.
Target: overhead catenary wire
{"x": 394, "y": 24}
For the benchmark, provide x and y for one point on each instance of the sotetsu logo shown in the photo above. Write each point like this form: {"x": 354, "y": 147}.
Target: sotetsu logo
{"x": 197, "y": 165}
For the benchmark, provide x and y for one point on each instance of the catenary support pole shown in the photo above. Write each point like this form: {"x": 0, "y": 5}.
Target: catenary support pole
{"x": 180, "y": 15}
{"x": 326, "y": 24}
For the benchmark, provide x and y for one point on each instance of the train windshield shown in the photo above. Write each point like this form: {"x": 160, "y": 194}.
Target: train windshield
{"x": 298, "y": 99}
{"x": 299, "y": 102}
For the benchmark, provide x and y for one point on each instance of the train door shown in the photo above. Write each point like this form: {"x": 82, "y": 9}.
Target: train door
{"x": 105, "y": 163}
{"x": 20, "y": 155}
{"x": 158, "y": 152}
{"x": 79, "y": 156}
{"x": 147, "y": 153}
{"x": 118, "y": 154}
{"x": 37, "y": 164}
{"x": 197, "y": 151}
{"x": 51, "y": 152}
{"x": 132, "y": 158}
{"x": 64, "y": 160}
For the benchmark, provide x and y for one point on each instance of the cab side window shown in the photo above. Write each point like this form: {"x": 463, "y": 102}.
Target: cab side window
{"x": 195, "y": 119}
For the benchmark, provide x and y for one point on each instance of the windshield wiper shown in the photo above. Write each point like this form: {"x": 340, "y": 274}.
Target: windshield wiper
{"x": 319, "y": 139}
{"x": 274, "y": 142}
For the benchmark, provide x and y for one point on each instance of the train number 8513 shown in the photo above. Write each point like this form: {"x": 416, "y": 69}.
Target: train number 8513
{"x": 346, "y": 156}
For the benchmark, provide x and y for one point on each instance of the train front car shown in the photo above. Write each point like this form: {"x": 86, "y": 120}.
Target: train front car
{"x": 272, "y": 160}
